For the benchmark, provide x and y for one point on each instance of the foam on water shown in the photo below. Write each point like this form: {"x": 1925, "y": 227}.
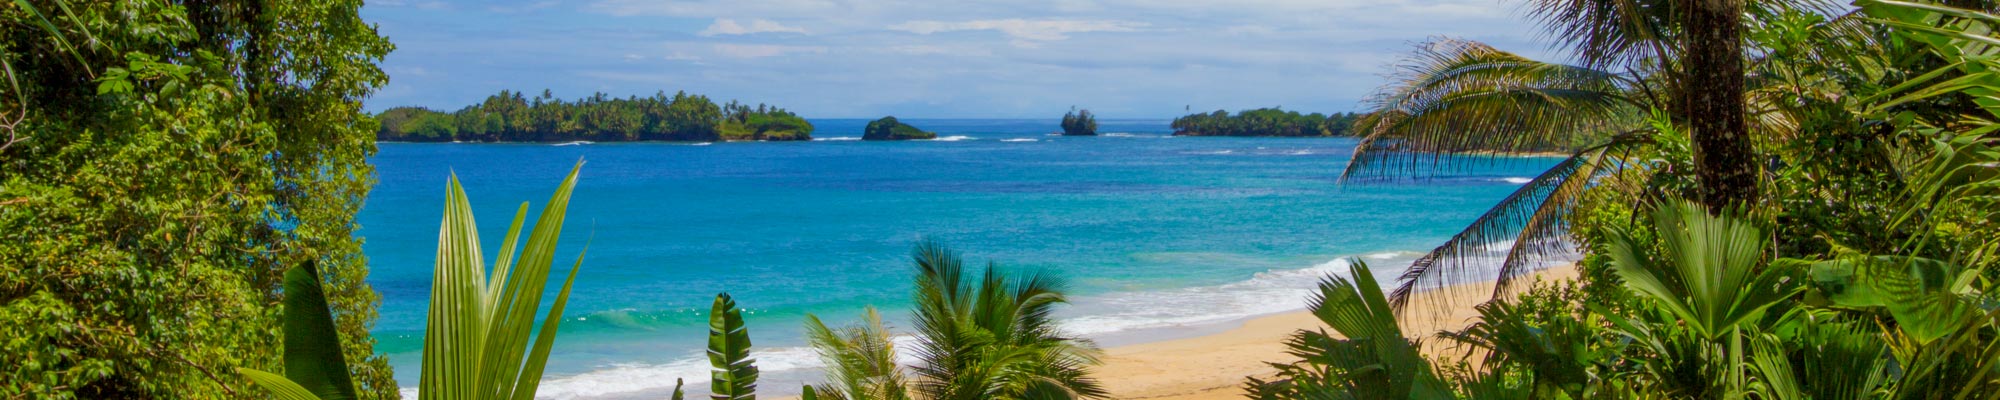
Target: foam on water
{"x": 1517, "y": 180}
{"x": 1268, "y": 292}
{"x": 1020, "y": 140}
{"x": 837, "y": 139}
{"x": 953, "y": 138}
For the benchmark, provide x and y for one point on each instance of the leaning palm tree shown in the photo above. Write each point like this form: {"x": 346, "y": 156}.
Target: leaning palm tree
{"x": 1454, "y": 104}
{"x": 990, "y": 337}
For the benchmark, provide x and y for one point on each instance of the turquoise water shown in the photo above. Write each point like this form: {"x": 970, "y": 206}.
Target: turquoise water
{"x": 1158, "y": 235}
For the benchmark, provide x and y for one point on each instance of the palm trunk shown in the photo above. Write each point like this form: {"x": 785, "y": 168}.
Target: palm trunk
{"x": 1712, "y": 95}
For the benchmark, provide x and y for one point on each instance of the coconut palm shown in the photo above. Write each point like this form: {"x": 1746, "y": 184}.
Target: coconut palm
{"x": 989, "y": 337}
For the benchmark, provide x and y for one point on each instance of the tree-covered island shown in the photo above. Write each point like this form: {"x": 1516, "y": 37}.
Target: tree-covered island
{"x": 1079, "y": 123}
{"x": 512, "y": 117}
{"x": 888, "y": 128}
{"x": 1265, "y": 122}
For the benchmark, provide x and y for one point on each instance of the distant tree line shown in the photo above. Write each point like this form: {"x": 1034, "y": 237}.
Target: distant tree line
{"x": 1265, "y": 122}
{"x": 512, "y": 117}
{"x": 1079, "y": 123}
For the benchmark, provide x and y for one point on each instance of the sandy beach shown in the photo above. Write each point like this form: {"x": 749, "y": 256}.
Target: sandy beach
{"x": 1214, "y": 366}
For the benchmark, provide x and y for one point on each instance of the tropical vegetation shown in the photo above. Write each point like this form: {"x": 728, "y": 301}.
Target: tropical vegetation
{"x": 888, "y": 128}
{"x": 1264, "y": 122}
{"x": 989, "y": 336}
{"x": 511, "y": 117}
{"x": 163, "y": 164}
{"x": 1079, "y": 123}
{"x": 1814, "y": 221}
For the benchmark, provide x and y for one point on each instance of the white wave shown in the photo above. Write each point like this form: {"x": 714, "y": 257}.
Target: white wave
{"x": 575, "y": 143}
{"x": 638, "y": 380}
{"x": 1268, "y": 292}
{"x": 702, "y": 144}
{"x": 1212, "y": 152}
{"x": 1517, "y": 180}
{"x": 837, "y": 139}
{"x": 953, "y": 138}
{"x": 1021, "y": 140}
{"x": 1299, "y": 152}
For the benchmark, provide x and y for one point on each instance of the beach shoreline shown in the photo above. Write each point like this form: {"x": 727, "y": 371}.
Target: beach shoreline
{"x": 1215, "y": 365}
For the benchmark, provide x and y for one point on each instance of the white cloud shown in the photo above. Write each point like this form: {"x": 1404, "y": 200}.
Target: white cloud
{"x": 1022, "y": 29}
{"x": 764, "y": 50}
{"x": 726, "y": 26}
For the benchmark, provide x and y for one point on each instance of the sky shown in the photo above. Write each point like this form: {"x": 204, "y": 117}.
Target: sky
{"x": 929, "y": 58}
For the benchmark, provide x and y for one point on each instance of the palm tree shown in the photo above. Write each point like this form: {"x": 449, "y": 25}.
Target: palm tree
{"x": 1455, "y": 103}
{"x": 991, "y": 337}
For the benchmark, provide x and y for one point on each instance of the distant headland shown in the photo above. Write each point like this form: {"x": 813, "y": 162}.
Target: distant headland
{"x": 511, "y": 117}
{"x": 1265, "y": 122}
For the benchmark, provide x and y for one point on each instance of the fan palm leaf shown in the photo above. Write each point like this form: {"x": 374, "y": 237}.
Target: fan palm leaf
{"x": 993, "y": 337}
{"x": 1371, "y": 359}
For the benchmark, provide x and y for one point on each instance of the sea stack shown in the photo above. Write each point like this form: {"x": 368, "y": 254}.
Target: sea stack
{"x": 888, "y": 128}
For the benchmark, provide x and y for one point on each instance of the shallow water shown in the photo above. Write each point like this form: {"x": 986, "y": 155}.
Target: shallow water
{"x": 1157, "y": 235}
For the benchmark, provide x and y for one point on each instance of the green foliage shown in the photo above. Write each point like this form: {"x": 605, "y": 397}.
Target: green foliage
{"x": 1079, "y": 123}
{"x": 888, "y": 128}
{"x": 314, "y": 368}
{"x": 735, "y": 374}
{"x": 860, "y": 359}
{"x": 990, "y": 337}
{"x": 164, "y": 163}
{"x": 510, "y": 117}
{"x": 1264, "y": 122}
{"x": 477, "y": 340}
{"x": 1371, "y": 359}
{"x": 994, "y": 337}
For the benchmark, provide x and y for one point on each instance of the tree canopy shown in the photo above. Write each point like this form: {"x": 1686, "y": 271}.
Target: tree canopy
{"x": 164, "y": 163}
{"x": 1079, "y": 123}
{"x": 1264, "y": 122}
{"x": 510, "y": 117}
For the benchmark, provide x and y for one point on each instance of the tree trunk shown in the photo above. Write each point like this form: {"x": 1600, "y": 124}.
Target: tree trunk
{"x": 1712, "y": 95}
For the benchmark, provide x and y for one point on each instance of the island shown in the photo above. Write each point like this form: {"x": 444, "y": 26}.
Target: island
{"x": 1265, "y": 122}
{"x": 511, "y": 117}
{"x": 888, "y": 128}
{"x": 1079, "y": 123}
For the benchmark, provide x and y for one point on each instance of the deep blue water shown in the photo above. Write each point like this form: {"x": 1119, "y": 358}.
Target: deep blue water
{"x": 1156, "y": 233}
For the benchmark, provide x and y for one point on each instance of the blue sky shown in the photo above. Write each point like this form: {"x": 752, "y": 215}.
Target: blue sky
{"x": 928, "y": 59}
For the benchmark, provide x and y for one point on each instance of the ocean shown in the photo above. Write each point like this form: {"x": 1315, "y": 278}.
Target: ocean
{"x": 1159, "y": 236}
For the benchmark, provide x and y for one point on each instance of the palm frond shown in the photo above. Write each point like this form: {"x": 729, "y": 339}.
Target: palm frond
{"x": 1535, "y": 218}
{"x": 313, "y": 363}
{"x": 477, "y": 343}
{"x": 1706, "y": 271}
{"x": 1453, "y": 103}
{"x": 860, "y": 359}
{"x": 993, "y": 337}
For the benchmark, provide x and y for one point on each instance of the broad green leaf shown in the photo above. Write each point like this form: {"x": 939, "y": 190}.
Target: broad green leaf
{"x": 281, "y": 388}
{"x": 312, "y": 344}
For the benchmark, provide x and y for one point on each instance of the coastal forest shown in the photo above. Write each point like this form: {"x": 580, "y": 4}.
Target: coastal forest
{"x": 1790, "y": 199}
{"x": 511, "y": 117}
{"x": 1265, "y": 122}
